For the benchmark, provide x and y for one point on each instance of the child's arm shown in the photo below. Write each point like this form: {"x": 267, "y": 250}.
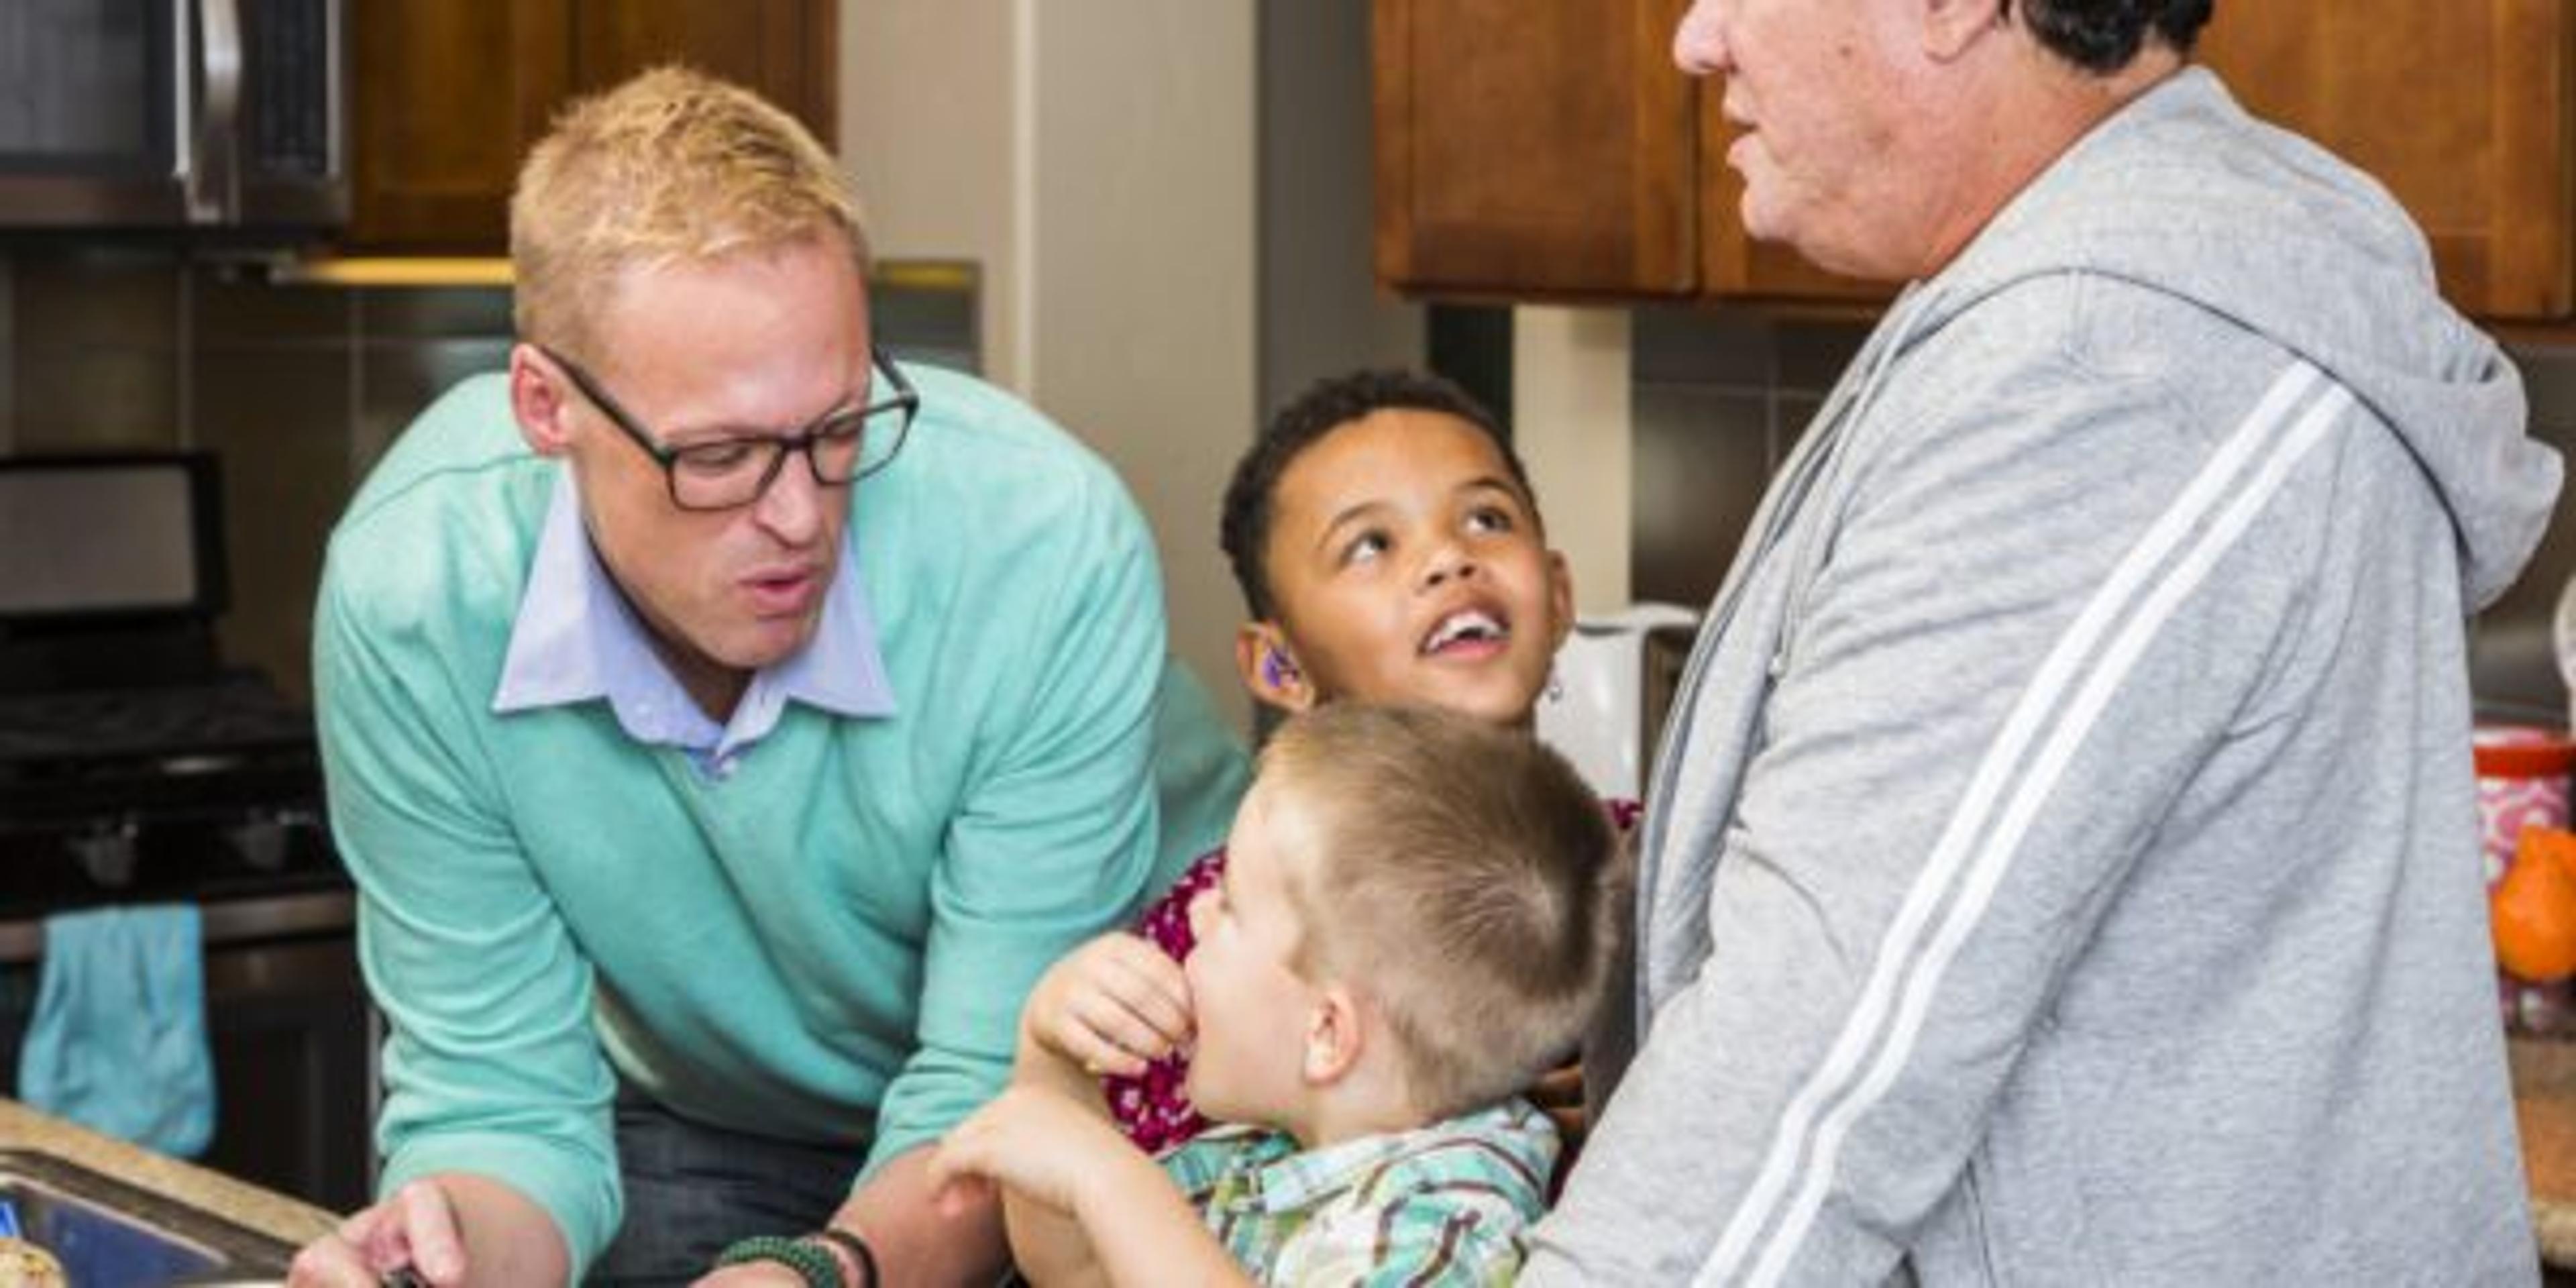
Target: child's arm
{"x": 1047, "y": 1243}
{"x": 1109, "y": 1006}
{"x": 1064, "y": 1162}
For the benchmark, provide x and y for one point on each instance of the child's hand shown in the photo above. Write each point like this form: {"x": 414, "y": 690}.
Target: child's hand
{"x": 1111, "y": 1006}
{"x": 1036, "y": 1142}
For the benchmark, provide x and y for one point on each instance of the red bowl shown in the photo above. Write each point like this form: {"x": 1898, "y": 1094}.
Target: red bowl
{"x": 2522, "y": 751}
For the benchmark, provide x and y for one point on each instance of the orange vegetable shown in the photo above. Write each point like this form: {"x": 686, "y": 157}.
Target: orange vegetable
{"x": 2532, "y": 911}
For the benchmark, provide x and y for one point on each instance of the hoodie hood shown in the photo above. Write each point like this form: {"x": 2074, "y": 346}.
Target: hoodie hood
{"x": 2290, "y": 243}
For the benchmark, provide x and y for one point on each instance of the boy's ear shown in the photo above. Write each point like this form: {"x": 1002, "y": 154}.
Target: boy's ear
{"x": 1560, "y": 596}
{"x": 1333, "y": 1038}
{"x": 539, "y": 403}
{"x": 1270, "y": 669}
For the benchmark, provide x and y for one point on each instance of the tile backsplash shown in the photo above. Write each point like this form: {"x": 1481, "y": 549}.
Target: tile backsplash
{"x": 297, "y": 389}
{"x": 1722, "y": 394}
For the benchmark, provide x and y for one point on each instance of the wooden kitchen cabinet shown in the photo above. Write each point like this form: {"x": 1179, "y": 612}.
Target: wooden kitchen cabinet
{"x": 1533, "y": 148}
{"x": 2461, "y": 108}
{"x": 448, "y": 94}
{"x": 445, "y": 97}
{"x": 1548, "y": 149}
{"x": 784, "y": 49}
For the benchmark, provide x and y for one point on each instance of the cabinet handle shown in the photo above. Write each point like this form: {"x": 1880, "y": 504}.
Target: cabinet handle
{"x": 214, "y": 180}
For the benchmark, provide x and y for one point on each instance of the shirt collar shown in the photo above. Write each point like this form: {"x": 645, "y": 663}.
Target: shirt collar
{"x": 1284, "y": 1179}
{"x": 576, "y": 639}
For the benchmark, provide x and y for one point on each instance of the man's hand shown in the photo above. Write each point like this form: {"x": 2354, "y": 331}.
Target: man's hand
{"x": 1037, "y": 1143}
{"x": 413, "y": 1229}
{"x": 1110, "y": 1006}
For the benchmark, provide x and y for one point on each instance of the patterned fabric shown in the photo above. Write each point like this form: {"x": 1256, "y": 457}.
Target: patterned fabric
{"x": 1440, "y": 1205}
{"x": 1154, "y": 1109}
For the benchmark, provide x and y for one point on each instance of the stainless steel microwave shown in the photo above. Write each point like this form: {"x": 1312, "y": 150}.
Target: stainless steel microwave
{"x": 173, "y": 114}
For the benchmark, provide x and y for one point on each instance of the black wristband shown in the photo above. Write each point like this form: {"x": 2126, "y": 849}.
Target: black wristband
{"x": 858, "y": 1250}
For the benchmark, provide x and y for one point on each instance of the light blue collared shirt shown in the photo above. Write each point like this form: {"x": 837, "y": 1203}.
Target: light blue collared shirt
{"x": 576, "y": 639}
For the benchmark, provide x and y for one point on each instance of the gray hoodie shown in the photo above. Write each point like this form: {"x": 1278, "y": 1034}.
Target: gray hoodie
{"x": 2062, "y": 866}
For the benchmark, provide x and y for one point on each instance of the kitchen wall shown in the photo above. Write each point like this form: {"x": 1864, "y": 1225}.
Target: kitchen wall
{"x": 1101, "y": 163}
{"x": 298, "y": 389}
{"x": 1572, "y": 410}
{"x": 1321, "y": 312}
{"x": 1721, "y": 395}
{"x": 1170, "y": 200}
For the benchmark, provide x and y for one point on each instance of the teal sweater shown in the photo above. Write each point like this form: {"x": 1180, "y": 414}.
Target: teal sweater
{"x": 830, "y": 944}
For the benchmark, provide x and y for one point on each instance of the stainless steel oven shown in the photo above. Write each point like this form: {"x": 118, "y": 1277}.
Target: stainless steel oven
{"x": 136, "y": 768}
{"x": 173, "y": 114}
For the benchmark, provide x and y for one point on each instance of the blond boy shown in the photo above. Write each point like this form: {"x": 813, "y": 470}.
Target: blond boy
{"x": 1417, "y": 918}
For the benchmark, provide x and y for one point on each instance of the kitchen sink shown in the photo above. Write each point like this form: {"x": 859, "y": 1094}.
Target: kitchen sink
{"x": 112, "y": 1235}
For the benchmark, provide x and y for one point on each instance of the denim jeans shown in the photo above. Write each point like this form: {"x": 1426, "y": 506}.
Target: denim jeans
{"x": 691, "y": 1189}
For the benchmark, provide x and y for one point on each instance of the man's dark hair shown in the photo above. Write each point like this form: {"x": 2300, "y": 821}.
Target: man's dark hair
{"x": 1327, "y": 405}
{"x": 2103, "y": 35}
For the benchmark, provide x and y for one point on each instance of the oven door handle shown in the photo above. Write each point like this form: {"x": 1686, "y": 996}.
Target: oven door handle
{"x": 225, "y": 923}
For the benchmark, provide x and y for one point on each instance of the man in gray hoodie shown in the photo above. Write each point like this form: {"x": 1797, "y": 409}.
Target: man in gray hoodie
{"x": 2062, "y": 865}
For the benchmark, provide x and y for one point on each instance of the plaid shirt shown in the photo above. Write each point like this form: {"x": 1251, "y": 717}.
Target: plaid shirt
{"x": 1440, "y": 1205}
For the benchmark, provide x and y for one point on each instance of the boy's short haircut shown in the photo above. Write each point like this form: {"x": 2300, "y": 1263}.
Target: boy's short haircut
{"x": 1244, "y": 527}
{"x": 672, "y": 166}
{"x": 1464, "y": 877}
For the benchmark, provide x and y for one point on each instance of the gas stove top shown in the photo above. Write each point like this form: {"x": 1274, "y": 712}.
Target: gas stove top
{"x": 133, "y": 766}
{"x": 186, "y": 792}
{"x": 169, "y": 730}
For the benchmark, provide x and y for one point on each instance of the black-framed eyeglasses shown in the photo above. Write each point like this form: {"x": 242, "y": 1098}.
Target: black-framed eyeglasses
{"x": 846, "y": 445}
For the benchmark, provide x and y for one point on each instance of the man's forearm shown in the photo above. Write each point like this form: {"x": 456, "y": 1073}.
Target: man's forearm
{"x": 917, "y": 1245}
{"x": 509, "y": 1240}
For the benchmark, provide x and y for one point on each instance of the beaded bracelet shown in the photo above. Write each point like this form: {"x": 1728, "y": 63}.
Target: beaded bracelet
{"x": 816, "y": 1266}
{"x": 860, "y": 1253}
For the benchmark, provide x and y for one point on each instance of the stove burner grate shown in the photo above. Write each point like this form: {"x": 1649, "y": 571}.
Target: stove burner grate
{"x": 179, "y": 730}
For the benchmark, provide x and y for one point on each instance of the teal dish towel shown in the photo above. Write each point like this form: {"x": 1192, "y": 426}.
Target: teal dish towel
{"x": 118, "y": 1043}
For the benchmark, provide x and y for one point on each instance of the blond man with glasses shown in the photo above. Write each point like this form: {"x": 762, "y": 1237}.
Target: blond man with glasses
{"x": 725, "y": 726}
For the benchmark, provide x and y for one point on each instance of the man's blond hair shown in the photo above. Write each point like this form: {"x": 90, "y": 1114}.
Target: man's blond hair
{"x": 1463, "y": 877}
{"x": 672, "y": 166}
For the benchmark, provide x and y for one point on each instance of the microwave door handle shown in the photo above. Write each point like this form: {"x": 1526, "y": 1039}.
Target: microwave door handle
{"x": 183, "y": 101}
{"x": 214, "y": 180}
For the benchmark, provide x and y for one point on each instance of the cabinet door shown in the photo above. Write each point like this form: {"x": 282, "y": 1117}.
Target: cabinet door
{"x": 2460, "y": 107}
{"x": 784, "y": 50}
{"x": 1533, "y": 148}
{"x": 447, "y": 95}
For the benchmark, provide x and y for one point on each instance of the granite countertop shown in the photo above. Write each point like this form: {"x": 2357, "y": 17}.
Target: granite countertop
{"x": 243, "y": 1204}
